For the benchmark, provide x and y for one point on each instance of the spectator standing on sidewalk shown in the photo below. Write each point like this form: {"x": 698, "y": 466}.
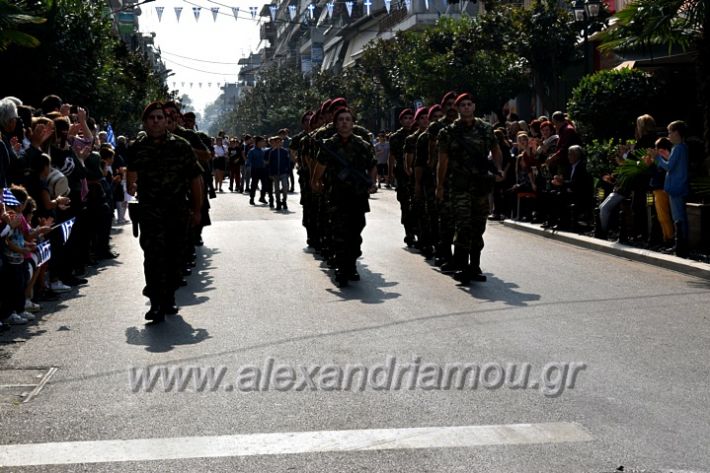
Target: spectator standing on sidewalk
{"x": 279, "y": 169}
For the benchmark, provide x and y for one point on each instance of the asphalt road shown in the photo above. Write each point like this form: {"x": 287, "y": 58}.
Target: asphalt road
{"x": 639, "y": 336}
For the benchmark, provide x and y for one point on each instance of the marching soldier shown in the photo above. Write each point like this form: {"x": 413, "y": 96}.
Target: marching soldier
{"x": 162, "y": 170}
{"x": 464, "y": 147}
{"x": 350, "y": 161}
{"x": 416, "y": 205}
{"x": 304, "y": 164}
{"x": 397, "y": 169}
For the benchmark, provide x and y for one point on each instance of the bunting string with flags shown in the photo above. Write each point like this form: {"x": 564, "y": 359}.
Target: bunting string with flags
{"x": 330, "y": 6}
{"x": 349, "y": 8}
{"x": 8, "y": 198}
{"x": 253, "y": 11}
{"x": 42, "y": 253}
{"x": 426, "y": 4}
{"x": 196, "y": 11}
{"x": 215, "y": 12}
{"x": 272, "y": 11}
{"x": 311, "y": 10}
{"x": 408, "y": 5}
{"x": 388, "y": 5}
{"x": 159, "y": 11}
{"x": 235, "y": 12}
{"x": 368, "y": 4}
{"x": 178, "y": 12}
{"x": 292, "y": 10}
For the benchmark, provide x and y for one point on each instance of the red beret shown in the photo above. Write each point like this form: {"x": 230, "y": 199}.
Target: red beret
{"x": 433, "y": 109}
{"x": 325, "y": 106}
{"x": 464, "y": 96}
{"x": 314, "y": 119}
{"x": 448, "y": 96}
{"x": 153, "y": 106}
{"x": 405, "y": 112}
{"x": 421, "y": 111}
{"x": 337, "y": 103}
{"x": 306, "y": 117}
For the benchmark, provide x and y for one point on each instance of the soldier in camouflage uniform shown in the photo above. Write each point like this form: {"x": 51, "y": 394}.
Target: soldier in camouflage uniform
{"x": 421, "y": 122}
{"x": 348, "y": 195}
{"x": 162, "y": 170}
{"x": 303, "y": 162}
{"x": 443, "y": 207}
{"x": 425, "y": 188}
{"x": 463, "y": 160}
{"x": 398, "y": 170}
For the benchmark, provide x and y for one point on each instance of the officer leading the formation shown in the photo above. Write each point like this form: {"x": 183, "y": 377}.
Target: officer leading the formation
{"x": 351, "y": 162}
{"x": 162, "y": 171}
{"x": 463, "y": 149}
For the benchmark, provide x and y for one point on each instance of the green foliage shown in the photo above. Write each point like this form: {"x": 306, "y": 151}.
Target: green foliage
{"x": 601, "y": 157}
{"x": 656, "y": 22}
{"x": 605, "y": 105}
{"x": 12, "y": 19}
{"x": 80, "y": 59}
{"x": 631, "y": 168}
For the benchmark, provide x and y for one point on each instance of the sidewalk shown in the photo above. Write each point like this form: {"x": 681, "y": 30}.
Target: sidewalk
{"x": 682, "y": 265}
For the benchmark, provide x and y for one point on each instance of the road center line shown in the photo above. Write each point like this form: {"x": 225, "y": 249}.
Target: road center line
{"x": 106, "y": 451}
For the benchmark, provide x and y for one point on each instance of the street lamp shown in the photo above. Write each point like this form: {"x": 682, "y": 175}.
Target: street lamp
{"x": 586, "y": 13}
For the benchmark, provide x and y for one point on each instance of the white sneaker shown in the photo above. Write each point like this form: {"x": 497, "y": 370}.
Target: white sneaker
{"x": 58, "y": 286}
{"x": 15, "y": 319}
{"x": 27, "y": 316}
{"x": 31, "y": 306}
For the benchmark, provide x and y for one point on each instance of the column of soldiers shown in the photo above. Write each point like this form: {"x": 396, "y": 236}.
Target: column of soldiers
{"x": 164, "y": 171}
{"x": 444, "y": 174}
{"x": 337, "y": 173}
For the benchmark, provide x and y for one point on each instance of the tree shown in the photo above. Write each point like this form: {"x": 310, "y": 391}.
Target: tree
{"x": 675, "y": 23}
{"x": 12, "y": 19}
{"x": 547, "y": 60}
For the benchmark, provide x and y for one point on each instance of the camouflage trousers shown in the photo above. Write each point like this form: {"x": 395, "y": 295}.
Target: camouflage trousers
{"x": 445, "y": 213}
{"x": 163, "y": 238}
{"x": 346, "y": 225}
{"x": 470, "y": 212}
{"x": 405, "y": 198}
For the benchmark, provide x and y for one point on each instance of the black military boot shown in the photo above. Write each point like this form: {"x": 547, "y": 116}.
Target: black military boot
{"x": 454, "y": 263}
{"x": 475, "y": 268}
{"x": 463, "y": 273}
{"x": 156, "y": 313}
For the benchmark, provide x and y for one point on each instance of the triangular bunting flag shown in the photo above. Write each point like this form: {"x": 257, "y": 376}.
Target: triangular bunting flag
{"x": 408, "y": 5}
{"x": 174, "y": 84}
{"x": 209, "y": 84}
{"x": 272, "y": 11}
{"x": 388, "y": 5}
{"x": 330, "y": 7}
{"x": 199, "y": 84}
{"x": 292, "y": 10}
{"x": 196, "y": 11}
{"x": 191, "y": 84}
{"x": 182, "y": 84}
{"x": 349, "y": 8}
{"x": 311, "y": 9}
{"x": 235, "y": 12}
{"x": 426, "y": 4}
{"x": 368, "y": 4}
{"x": 159, "y": 11}
{"x": 178, "y": 12}
{"x": 253, "y": 11}
{"x": 215, "y": 12}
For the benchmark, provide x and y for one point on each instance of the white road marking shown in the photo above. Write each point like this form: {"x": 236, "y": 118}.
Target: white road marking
{"x": 105, "y": 451}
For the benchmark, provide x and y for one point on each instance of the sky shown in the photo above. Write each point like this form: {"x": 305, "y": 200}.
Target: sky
{"x": 193, "y": 50}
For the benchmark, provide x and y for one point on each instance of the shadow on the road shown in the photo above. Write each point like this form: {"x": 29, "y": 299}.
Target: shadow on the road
{"x": 200, "y": 281}
{"x": 368, "y": 290}
{"x": 495, "y": 289}
{"x": 165, "y": 336}
{"x": 699, "y": 283}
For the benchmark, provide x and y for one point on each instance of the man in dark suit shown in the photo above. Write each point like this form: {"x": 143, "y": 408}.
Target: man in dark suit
{"x": 574, "y": 198}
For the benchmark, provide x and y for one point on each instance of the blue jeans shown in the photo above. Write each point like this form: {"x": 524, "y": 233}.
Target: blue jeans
{"x": 606, "y": 208}
{"x": 679, "y": 213}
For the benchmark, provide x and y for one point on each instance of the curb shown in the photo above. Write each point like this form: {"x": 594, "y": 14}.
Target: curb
{"x": 674, "y": 263}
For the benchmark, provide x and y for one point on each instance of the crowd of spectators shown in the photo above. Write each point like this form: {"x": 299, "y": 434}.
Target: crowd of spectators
{"x": 62, "y": 179}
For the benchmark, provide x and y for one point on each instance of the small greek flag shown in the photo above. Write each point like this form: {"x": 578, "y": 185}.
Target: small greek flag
{"x": 66, "y": 228}
{"x": 9, "y": 198}
{"x": 43, "y": 253}
{"x": 110, "y": 137}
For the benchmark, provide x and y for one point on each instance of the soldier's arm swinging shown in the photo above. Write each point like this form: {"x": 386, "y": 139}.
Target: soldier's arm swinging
{"x": 409, "y": 163}
{"x": 131, "y": 180}
{"x": 441, "y": 169}
{"x": 317, "y": 183}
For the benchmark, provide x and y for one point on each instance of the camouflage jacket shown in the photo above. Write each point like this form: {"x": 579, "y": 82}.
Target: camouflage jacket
{"x": 467, "y": 148}
{"x": 165, "y": 170}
